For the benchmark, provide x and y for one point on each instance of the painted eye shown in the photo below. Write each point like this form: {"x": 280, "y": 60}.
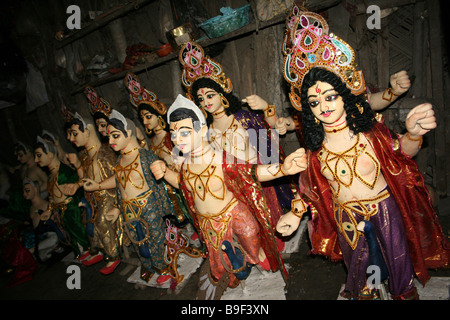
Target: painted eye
{"x": 173, "y": 136}
{"x": 185, "y": 133}
{"x": 331, "y": 97}
{"x": 313, "y": 104}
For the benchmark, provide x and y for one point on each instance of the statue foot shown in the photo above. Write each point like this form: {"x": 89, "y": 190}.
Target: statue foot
{"x": 95, "y": 259}
{"x": 110, "y": 269}
{"x": 83, "y": 256}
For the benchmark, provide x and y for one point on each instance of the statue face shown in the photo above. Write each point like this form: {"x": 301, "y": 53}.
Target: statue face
{"x": 184, "y": 137}
{"x": 326, "y": 104}
{"x": 117, "y": 140}
{"x": 209, "y": 100}
{"x": 41, "y": 158}
{"x": 149, "y": 120}
{"x": 29, "y": 191}
{"x": 22, "y": 156}
{"x": 101, "y": 126}
{"x": 77, "y": 137}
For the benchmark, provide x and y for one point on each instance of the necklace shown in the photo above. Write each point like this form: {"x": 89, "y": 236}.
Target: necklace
{"x": 200, "y": 183}
{"x": 199, "y": 156}
{"x": 90, "y": 148}
{"x": 218, "y": 113}
{"x": 335, "y": 130}
{"x": 51, "y": 169}
{"x": 128, "y": 152}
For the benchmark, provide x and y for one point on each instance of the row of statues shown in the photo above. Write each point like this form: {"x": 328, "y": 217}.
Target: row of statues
{"x": 210, "y": 164}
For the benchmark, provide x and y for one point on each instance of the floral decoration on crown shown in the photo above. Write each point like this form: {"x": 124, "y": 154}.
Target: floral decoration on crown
{"x": 96, "y": 103}
{"x": 308, "y": 44}
{"x": 139, "y": 94}
{"x": 196, "y": 65}
{"x": 66, "y": 113}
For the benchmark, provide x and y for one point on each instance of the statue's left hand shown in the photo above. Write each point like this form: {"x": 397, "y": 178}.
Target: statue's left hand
{"x": 420, "y": 119}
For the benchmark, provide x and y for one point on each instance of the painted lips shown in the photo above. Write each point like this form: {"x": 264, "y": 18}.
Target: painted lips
{"x": 327, "y": 114}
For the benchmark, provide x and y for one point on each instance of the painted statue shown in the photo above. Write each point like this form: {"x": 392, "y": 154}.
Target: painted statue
{"x": 360, "y": 174}
{"x": 97, "y": 161}
{"x": 245, "y": 134}
{"x": 217, "y": 188}
{"x": 67, "y": 214}
{"x": 143, "y": 202}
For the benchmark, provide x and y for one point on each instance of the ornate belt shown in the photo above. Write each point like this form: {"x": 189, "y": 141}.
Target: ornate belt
{"x": 365, "y": 208}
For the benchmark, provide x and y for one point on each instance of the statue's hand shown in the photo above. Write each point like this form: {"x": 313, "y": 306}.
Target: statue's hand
{"x": 400, "y": 82}
{"x": 158, "y": 169}
{"x": 420, "y": 120}
{"x": 287, "y": 224}
{"x": 281, "y": 126}
{"x": 295, "y": 162}
{"x": 255, "y": 102}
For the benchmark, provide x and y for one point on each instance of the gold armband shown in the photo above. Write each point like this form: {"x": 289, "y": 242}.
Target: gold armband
{"x": 420, "y": 140}
{"x": 298, "y": 212}
{"x": 270, "y": 111}
{"x": 389, "y": 94}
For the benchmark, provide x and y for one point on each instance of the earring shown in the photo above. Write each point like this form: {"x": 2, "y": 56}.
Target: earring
{"x": 162, "y": 123}
{"x": 224, "y": 101}
{"x": 148, "y": 130}
{"x": 317, "y": 120}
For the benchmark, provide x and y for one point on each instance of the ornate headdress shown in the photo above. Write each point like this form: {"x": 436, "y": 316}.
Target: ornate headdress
{"x": 96, "y": 103}
{"x": 67, "y": 114}
{"x": 139, "y": 94}
{"x": 196, "y": 65}
{"x": 308, "y": 44}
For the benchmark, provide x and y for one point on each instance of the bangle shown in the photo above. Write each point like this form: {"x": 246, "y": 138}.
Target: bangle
{"x": 281, "y": 169}
{"x": 391, "y": 94}
{"x": 99, "y": 186}
{"x": 270, "y": 111}
{"x": 295, "y": 210}
{"x": 420, "y": 139}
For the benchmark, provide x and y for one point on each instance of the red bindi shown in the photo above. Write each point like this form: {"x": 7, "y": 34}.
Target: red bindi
{"x": 318, "y": 89}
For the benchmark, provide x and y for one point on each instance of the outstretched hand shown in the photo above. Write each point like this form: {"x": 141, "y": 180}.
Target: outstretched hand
{"x": 400, "y": 82}
{"x": 158, "y": 169}
{"x": 90, "y": 185}
{"x": 295, "y": 162}
{"x": 287, "y": 224}
{"x": 281, "y": 126}
{"x": 420, "y": 120}
{"x": 255, "y": 102}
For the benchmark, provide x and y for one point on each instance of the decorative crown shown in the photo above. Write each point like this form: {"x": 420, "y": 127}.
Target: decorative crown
{"x": 139, "y": 94}
{"x": 308, "y": 44}
{"x": 96, "y": 103}
{"x": 196, "y": 65}
{"x": 66, "y": 113}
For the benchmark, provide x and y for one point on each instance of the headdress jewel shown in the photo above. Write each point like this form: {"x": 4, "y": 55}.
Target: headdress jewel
{"x": 96, "y": 103}
{"x": 308, "y": 44}
{"x": 196, "y": 65}
{"x": 139, "y": 94}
